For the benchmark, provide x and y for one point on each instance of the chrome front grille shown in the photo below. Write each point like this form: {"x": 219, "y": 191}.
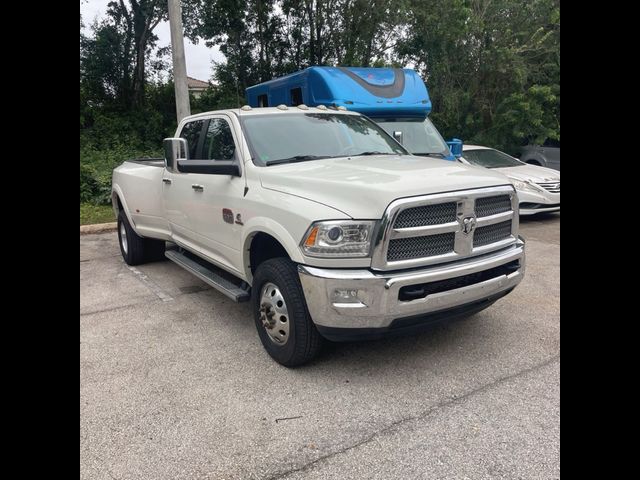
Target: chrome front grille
{"x": 417, "y": 247}
{"x": 492, "y": 233}
{"x": 443, "y": 227}
{"x": 426, "y": 215}
{"x": 486, "y": 206}
{"x": 553, "y": 187}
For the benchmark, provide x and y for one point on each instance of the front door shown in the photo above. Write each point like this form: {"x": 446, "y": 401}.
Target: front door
{"x": 214, "y": 210}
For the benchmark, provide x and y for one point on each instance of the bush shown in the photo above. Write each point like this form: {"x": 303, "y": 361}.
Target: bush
{"x": 96, "y": 168}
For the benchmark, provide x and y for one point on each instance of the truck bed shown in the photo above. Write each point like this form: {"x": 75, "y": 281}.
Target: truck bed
{"x": 153, "y": 162}
{"x": 140, "y": 181}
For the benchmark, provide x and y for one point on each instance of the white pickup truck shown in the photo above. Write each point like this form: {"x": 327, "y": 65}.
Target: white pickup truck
{"x": 325, "y": 223}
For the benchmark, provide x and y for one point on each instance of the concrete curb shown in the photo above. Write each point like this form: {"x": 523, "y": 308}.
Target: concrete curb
{"x": 98, "y": 228}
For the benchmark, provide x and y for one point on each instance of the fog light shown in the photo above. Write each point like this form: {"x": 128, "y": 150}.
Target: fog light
{"x": 345, "y": 296}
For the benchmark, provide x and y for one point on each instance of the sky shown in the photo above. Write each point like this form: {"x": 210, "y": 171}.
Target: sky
{"x": 198, "y": 57}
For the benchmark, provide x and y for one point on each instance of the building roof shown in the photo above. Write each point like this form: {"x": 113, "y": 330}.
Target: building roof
{"x": 194, "y": 83}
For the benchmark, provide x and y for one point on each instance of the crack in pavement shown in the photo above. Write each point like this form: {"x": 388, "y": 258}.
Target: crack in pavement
{"x": 423, "y": 415}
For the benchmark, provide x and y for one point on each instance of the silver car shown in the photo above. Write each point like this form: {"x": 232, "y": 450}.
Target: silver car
{"x": 545, "y": 155}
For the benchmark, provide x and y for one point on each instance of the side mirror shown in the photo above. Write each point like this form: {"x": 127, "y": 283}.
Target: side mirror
{"x": 455, "y": 145}
{"x": 397, "y": 134}
{"x": 174, "y": 149}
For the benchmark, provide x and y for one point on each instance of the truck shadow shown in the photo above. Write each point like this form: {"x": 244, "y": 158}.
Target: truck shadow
{"x": 433, "y": 345}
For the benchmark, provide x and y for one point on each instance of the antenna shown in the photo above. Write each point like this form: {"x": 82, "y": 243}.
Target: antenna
{"x": 237, "y": 95}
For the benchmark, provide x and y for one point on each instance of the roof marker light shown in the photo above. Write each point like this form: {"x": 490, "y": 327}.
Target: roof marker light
{"x": 340, "y": 107}
{"x": 282, "y": 106}
{"x": 321, "y": 107}
{"x": 246, "y": 108}
{"x": 302, "y": 106}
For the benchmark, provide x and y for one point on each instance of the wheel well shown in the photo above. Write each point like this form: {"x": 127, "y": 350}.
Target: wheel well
{"x": 263, "y": 247}
{"x": 118, "y": 203}
{"x": 533, "y": 162}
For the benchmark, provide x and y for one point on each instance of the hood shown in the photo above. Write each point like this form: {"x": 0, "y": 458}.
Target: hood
{"x": 363, "y": 187}
{"x": 532, "y": 173}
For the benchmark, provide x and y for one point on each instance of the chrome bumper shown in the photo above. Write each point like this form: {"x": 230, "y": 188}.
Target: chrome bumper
{"x": 369, "y": 299}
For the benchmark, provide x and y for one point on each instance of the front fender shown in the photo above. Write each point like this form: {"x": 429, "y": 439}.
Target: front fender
{"x": 271, "y": 227}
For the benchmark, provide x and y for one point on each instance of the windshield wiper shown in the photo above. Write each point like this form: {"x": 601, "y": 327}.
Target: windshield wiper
{"x": 297, "y": 158}
{"x": 374, "y": 153}
{"x": 441, "y": 155}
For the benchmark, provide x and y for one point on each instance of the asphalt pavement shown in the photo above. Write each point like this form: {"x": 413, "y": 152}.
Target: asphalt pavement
{"x": 175, "y": 384}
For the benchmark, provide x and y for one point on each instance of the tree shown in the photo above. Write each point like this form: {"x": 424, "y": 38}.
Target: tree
{"x": 139, "y": 21}
{"x": 484, "y": 58}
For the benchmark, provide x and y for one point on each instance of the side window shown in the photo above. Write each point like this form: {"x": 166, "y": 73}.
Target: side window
{"x": 218, "y": 141}
{"x": 296, "y": 96}
{"x": 191, "y": 133}
{"x": 263, "y": 101}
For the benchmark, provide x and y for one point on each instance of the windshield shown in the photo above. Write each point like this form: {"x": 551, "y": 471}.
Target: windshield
{"x": 490, "y": 158}
{"x": 419, "y": 136}
{"x": 283, "y": 138}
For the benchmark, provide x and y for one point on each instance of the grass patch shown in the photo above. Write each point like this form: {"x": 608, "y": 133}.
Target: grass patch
{"x": 90, "y": 214}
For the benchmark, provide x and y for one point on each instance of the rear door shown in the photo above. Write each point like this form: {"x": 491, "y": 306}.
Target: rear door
{"x": 177, "y": 193}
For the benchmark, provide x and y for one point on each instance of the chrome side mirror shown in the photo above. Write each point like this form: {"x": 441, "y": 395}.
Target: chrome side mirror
{"x": 174, "y": 149}
{"x": 397, "y": 134}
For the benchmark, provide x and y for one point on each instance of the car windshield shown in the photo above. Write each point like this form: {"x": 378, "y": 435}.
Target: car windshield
{"x": 292, "y": 137}
{"x": 419, "y": 136}
{"x": 490, "y": 158}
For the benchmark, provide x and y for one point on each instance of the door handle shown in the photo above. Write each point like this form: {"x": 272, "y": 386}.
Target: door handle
{"x": 197, "y": 188}
{"x": 167, "y": 181}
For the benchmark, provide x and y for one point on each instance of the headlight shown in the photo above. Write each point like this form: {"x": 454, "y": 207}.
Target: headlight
{"x": 344, "y": 238}
{"x": 520, "y": 185}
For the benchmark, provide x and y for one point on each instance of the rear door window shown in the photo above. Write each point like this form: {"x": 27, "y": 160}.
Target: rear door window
{"x": 191, "y": 133}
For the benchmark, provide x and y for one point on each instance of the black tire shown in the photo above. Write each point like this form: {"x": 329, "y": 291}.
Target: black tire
{"x": 304, "y": 342}
{"x": 138, "y": 250}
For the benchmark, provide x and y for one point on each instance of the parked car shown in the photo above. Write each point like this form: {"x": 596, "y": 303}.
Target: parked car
{"x": 538, "y": 187}
{"x": 325, "y": 223}
{"x": 545, "y": 155}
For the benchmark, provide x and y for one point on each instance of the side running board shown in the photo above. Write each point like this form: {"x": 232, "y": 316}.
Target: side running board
{"x": 208, "y": 275}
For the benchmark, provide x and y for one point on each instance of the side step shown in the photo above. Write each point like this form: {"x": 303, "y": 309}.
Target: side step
{"x": 208, "y": 275}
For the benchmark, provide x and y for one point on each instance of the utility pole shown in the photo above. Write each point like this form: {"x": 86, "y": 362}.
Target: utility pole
{"x": 179, "y": 66}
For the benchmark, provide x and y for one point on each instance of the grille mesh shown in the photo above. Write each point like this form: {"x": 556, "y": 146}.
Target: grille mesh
{"x": 418, "y": 247}
{"x": 426, "y": 215}
{"x": 492, "y": 233}
{"x": 486, "y": 206}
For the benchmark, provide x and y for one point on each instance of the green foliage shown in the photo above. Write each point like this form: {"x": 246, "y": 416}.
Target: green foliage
{"x": 96, "y": 167}
{"x": 492, "y": 66}
{"x": 91, "y": 214}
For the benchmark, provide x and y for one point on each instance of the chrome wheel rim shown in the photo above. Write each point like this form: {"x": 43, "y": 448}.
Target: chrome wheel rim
{"x": 274, "y": 314}
{"x": 123, "y": 238}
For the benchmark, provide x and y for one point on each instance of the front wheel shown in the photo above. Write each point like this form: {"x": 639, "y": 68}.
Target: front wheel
{"x": 284, "y": 325}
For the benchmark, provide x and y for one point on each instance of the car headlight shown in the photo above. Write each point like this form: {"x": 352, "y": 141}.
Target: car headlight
{"x": 340, "y": 238}
{"x": 520, "y": 185}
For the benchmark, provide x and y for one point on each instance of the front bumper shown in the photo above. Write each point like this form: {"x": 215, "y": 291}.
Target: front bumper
{"x": 374, "y": 298}
{"x": 542, "y": 202}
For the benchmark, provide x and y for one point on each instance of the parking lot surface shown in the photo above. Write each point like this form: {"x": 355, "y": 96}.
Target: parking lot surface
{"x": 174, "y": 383}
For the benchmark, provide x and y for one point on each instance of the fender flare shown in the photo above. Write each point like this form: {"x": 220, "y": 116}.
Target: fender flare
{"x": 117, "y": 194}
{"x": 274, "y": 229}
